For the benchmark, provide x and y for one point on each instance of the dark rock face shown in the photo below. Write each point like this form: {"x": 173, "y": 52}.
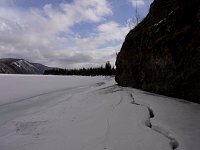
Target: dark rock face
{"x": 162, "y": 53}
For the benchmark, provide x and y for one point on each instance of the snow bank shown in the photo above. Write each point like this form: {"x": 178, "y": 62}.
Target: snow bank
{"x": 92, "y": 113}
{"x": 18, "y": 87}
{"x": 176, "y": 119}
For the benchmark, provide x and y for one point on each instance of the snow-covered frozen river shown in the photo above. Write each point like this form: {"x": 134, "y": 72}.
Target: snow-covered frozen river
{"x": 92, "y": 113}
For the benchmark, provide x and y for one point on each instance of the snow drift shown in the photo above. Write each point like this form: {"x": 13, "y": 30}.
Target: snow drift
{"x": 92, "y": 113}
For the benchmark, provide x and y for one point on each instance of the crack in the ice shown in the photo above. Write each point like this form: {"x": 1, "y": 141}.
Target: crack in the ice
{"x": 173, "y": 142}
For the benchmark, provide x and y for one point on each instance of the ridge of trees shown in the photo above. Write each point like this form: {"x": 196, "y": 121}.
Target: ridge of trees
{"x": 106, "y": 70}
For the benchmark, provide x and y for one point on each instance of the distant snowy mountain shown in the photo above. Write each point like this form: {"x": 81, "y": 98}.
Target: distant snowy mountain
{"x": 20, "y": 66}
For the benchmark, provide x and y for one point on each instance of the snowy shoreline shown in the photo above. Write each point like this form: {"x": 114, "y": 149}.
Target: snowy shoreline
{"x": 92, "y": 113}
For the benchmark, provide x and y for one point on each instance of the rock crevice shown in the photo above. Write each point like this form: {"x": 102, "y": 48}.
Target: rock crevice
{"x": 173, "y": 142}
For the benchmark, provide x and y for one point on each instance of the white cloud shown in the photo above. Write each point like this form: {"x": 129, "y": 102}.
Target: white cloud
{"x": 93, "y": 10}
{"x": 50, "y": 21}
{"x": 106, "y": 32}
{"x": 101, "y": 46}
{"x": 137, "y": 3}
{"x": 3, "y": 2}
{"x": 34, "y": 34}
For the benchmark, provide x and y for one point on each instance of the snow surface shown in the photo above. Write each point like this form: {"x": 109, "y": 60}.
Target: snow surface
{"x": 92, "y": 113}
{"x": 20, "y": 87}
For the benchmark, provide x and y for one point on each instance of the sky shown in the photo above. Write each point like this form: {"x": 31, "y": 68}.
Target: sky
{"x": 67, "y": 33}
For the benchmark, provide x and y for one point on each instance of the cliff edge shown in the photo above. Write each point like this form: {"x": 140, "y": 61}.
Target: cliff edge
{"x": 162, "y": 53}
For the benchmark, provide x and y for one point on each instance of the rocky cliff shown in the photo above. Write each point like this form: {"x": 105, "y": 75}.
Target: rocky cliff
{"x": 162, "y": 53}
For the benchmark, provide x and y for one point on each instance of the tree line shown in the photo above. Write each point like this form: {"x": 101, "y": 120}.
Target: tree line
{"x": 106, "y": 70}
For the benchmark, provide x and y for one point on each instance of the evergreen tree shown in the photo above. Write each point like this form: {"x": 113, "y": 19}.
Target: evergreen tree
{"x": 107, "y": 70}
